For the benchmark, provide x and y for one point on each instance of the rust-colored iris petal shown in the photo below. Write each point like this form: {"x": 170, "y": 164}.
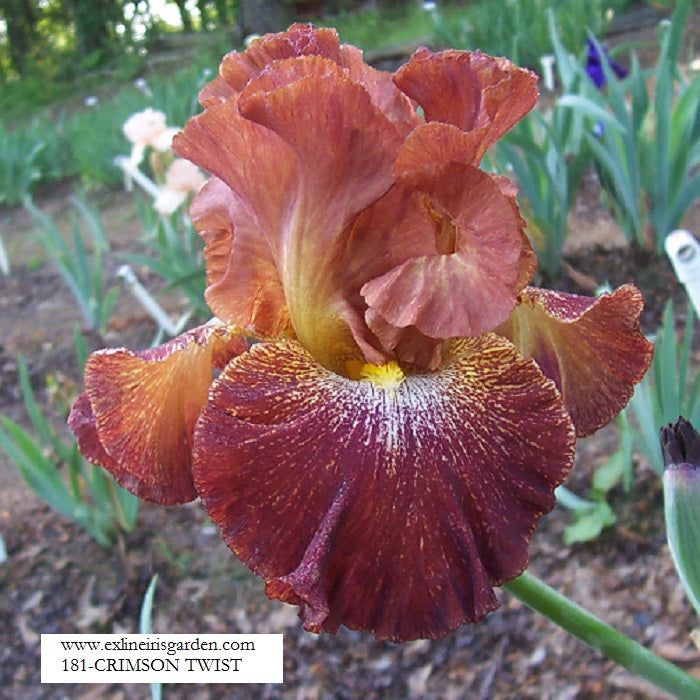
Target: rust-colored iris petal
{"x": 211, "y": 216}
{"x": 380, "y": 86}
{"x": 408, "y": 345}
{"x": 345, "y": 149}
{"x": 345, "y": 146}
{"x": 215, "y": 91}
{"x": 431, "y": 145}
{"x": 137, "y": 415}
{"x": 258, "y": 170}
{"x": 395, "y": 228}
{"x": 237, "y": 69}
{"x": 468, "y": 286}
{"x": 591, "y": 347}
{"x": 299, "y": 40}
{"x": 469, "y": 90}
{"x": 290, "y": 70}
{"x": 303, "y": 150}
{"x": 243, "y": 285}
{"x": 393, "y": 510}
{"x": 444, "y": 85}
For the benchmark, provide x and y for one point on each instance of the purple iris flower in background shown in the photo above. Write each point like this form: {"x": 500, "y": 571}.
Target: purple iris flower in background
{"x": 594, "y": 65}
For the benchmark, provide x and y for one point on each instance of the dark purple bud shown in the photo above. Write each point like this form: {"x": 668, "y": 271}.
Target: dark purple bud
{"x": 680, "y": 444}
{"x": 594, "y": 66}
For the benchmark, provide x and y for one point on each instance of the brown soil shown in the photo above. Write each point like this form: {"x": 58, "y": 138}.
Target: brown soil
{"x": 56, "y": 579}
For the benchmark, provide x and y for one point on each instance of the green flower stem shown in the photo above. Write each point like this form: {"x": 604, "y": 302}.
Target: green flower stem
{"x": 592, "y": 631}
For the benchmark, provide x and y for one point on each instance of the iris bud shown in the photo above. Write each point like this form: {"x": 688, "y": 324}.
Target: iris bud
{"x": 680, "y": 444}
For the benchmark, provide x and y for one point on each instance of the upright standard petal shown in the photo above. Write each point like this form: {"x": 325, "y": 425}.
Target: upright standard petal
{"x": 345, "y": 149}
{"x": 429, "y": 146}
{"x": 238, "y": 69}
{"x": 470, "y": 90}
{"x": 299, "y": 40}
{"x": 469, "y": 284}
{"x": 303, "y": 150}
{"x": 392, "y": 505}
{"x": 137, "y": 415}
{"x": 591, "y": 348}
{"x": 380, "y": 86}
{"x": 243, "y": 285}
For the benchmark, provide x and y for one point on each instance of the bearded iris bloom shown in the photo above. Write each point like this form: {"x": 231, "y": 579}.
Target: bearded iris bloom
{"x": 383, "y": 452}
{"x": 594, "y": 65}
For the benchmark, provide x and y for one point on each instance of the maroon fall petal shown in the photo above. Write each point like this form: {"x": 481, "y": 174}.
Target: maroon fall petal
{"x": 390, "y": 508}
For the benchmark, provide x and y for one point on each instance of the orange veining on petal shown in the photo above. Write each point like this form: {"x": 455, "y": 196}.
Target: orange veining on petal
{"x": 378, "y": 504}
{"x": 138, "y": 412}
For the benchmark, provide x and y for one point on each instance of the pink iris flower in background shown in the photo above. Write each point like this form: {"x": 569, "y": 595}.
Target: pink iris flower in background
{"x": 383, "y": 452}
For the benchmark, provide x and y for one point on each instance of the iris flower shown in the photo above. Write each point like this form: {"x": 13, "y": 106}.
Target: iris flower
{"x": 383, "y": 448}
{"x": 594, "y": 65}
{"x": 147, "y": 129}
{"x": 181, "y": 179}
